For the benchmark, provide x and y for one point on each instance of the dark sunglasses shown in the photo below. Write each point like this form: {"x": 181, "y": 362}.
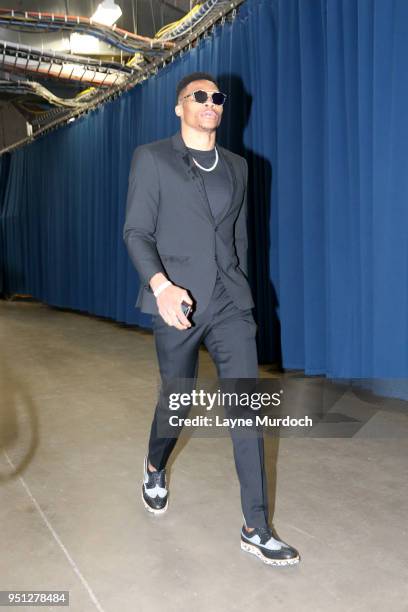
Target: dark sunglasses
{"x": 201, "y": 96}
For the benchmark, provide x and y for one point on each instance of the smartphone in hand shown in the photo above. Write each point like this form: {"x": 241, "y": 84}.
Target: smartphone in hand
{"x": 186, "y": 308}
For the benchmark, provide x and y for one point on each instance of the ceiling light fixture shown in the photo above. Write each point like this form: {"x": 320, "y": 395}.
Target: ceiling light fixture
{"x": 107, "y": 13}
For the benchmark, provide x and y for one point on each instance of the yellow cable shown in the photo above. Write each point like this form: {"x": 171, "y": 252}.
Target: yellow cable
{"x": 171, "y": 26}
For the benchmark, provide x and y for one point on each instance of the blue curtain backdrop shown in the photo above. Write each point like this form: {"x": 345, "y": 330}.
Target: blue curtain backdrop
{"x": 317, "y": 104}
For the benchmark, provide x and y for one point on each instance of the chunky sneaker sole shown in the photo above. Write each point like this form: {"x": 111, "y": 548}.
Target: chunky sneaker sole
{"x": 269, "y": 549}
{"x": 155, "y": 495}
{"x": 254, "y": 550}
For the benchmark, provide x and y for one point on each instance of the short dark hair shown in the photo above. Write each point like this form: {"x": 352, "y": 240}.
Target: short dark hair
{"x": 194, "y": 76}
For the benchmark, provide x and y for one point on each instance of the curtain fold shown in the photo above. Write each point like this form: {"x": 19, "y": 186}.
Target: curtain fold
{"x": 317, "y": 99}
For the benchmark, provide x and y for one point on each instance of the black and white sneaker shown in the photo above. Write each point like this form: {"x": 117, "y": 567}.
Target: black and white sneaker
{"x": 265, "y": 546}
{"x": 154, "y": 490}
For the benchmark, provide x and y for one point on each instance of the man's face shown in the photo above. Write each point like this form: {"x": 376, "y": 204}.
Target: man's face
{"x": 204, "y": 117}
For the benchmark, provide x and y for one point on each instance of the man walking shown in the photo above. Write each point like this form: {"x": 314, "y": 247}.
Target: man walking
{"x": 186, "y": 235}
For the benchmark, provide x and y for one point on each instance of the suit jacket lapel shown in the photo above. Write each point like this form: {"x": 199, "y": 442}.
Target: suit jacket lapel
{"x": 193, "y": 173}
{"x": 231, "y": 170}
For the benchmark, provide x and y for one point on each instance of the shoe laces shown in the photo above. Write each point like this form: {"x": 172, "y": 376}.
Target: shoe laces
{"x": 265, "y": 534}
{"x": 157, "y": 478}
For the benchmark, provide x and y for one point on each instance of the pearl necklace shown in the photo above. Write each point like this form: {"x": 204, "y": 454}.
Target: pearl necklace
{"x": 212, "y": 167}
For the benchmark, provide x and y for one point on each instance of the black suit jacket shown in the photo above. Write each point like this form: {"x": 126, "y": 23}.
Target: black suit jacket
{"x": 169, "y": 226}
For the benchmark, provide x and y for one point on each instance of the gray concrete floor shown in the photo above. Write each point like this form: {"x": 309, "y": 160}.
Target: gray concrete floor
{"x": 76, "y": 405}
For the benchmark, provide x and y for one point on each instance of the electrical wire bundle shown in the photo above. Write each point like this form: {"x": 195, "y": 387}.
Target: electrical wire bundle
{"x": 50, "y": 22}
{"x": 181, "y": 27}
{"x": 19, "y": 57}
{"x": 35, "y": 88}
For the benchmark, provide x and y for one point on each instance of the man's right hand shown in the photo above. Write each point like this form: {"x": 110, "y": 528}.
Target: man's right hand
{"x": 169, "y": 303}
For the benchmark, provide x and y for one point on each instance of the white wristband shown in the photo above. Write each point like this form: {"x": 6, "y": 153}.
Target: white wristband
{"x": 161, "y": 288}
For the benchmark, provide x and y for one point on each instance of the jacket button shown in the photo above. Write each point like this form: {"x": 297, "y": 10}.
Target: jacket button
{"x": 215, "y": 228}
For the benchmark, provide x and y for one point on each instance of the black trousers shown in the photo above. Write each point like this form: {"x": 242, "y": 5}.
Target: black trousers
{"x": 229, "y": 335}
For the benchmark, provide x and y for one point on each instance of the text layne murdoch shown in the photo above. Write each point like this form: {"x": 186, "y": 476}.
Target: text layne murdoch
{"x": 217, "y": 421}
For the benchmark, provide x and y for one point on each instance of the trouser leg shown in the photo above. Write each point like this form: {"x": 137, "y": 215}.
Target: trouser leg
{"x": 177, "y": 354}
{"x": 232, "y": 345}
